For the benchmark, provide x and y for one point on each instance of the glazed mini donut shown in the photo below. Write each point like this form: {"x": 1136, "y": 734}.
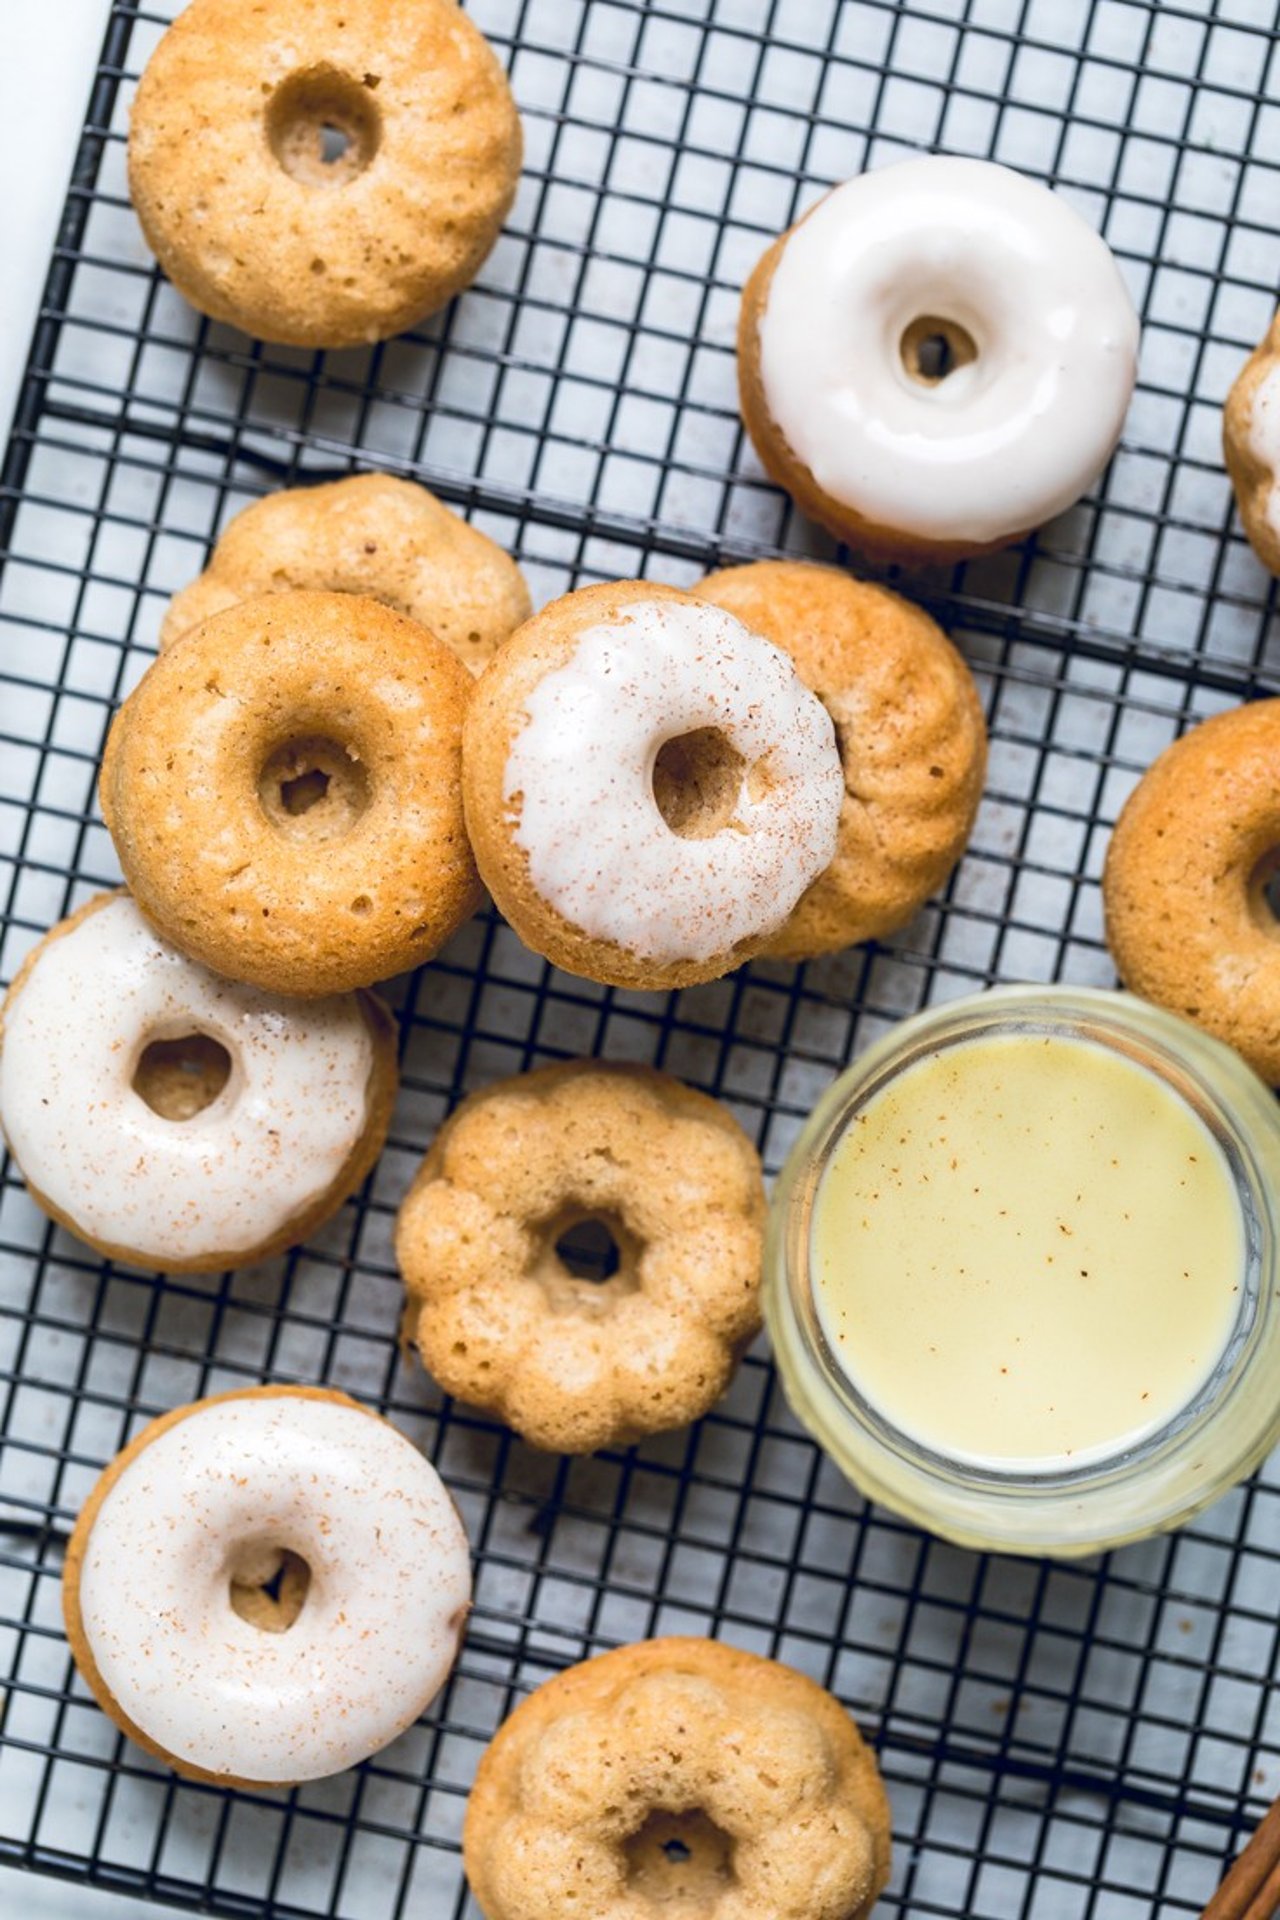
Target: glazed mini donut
{"x": 174, "y": 1119}
{"x": 255, "y": 219}
{"x": 1251, "y": 443}
{"x": 375, "y": 535}
{"x": 1185, "y": 884}
{"x": 937, "y": 359}
{"x": 499, "y": 1318}
{"x": 283, "y": 788}
{"x": 677, "y": 1776}
{"x": 912, "y": 740}
{"x": 266, "y": 1587}
{"x": 649, "y": 786}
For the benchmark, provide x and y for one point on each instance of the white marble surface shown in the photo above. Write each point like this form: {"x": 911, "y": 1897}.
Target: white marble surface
{"x": 47, "y": 60}
{"x": 37, "y": 1898}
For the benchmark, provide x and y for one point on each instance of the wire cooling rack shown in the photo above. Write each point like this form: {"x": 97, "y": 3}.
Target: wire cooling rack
{"x": 1074, "y": 1741}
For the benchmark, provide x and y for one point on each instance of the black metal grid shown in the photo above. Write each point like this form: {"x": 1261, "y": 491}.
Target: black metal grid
{"x": 1059, "y": 1741}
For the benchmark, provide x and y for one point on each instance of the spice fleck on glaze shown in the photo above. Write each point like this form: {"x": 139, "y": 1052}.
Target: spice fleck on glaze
{"x": 1027, "y": 1252}
{"x": 226, "y": 1180}
{"x": 379, "y": 1628}
{"x": 579, "y": 783}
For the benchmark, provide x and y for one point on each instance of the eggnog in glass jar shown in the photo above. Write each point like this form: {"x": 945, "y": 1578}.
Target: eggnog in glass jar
{"x": 1022, "y": 1273}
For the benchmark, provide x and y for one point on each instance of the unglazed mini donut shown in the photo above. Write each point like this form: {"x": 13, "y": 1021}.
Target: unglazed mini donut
{"x": 937, "y": 359}
{"x": 283, "y": 788}
{"x": 232, "y": 125}
{"x": 175, "y": 1119}
{"x": 266, "y": 1587}
{"x": 649, "y": 786}
{"x": 677, "y": 1777}
{"x": 571, "y": 1363}
{"x": 909, "y": 725}
{"x": 1251, "y": 443}
{"x": 1185, "y": 885}
{"x": 374, "y": 535}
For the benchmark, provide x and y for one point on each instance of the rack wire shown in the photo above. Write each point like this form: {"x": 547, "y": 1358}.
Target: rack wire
{"x": 1069, "y": 1742}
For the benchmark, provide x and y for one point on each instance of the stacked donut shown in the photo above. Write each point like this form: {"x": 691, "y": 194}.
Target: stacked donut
{"x": 284, "y": 790}
{"x": 308, "y": 785}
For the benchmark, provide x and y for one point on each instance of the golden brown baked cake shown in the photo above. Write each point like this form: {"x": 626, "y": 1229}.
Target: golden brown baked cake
{"x": 678, "y": 1779}
{"x": 574, "y": 1363}
{"x": 649, "y": 785}
{"x": 1185, "y": 888}
{"x": 1251, "y": 444}
{"x": 322, "y": 172}
{"x": 283, "y": 788}
{"x": 372, "y": 534}
{"x": 912, "y": 740}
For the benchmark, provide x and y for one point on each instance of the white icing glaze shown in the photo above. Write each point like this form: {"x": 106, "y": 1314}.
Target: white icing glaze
{"x": 223, "y": 1182}
{"x": 579, "y": 782}
{"x": 1264, "y": 439}
{"x": 1003, "y": 443}
{"x": 378, "y": 1630}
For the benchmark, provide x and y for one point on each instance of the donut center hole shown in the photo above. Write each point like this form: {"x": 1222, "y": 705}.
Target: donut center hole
{"x": 323, "y": 126}
{"x": 269, "y": 1587}
{"x": 589, "y": 1250}
{"x": 333, "y": 144}
{"x": 1264, "y": 892}
{"x": 312, "y": 788}
{"x": 181, "y": 1076}
{"x": 698, "y": 780}
{"x": 307, "y": 791}
{"x": 679, "y": 1860}
{"x": 932, "y": 349}
{"x": 587, "y": 1259}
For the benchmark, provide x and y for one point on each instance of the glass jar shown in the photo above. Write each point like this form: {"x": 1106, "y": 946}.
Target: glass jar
{"x": 1217, "y": 1437}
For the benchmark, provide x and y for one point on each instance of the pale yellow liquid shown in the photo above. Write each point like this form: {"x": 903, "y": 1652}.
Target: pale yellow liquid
{"x": 1027, "y": 1252}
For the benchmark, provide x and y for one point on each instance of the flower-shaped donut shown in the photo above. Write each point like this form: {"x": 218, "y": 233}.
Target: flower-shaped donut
{"x": 910, "y": 733}
{"x": 666, "y": 1178}
{"x": 370, "y": 534}
{"x": 678, "y": 1778}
